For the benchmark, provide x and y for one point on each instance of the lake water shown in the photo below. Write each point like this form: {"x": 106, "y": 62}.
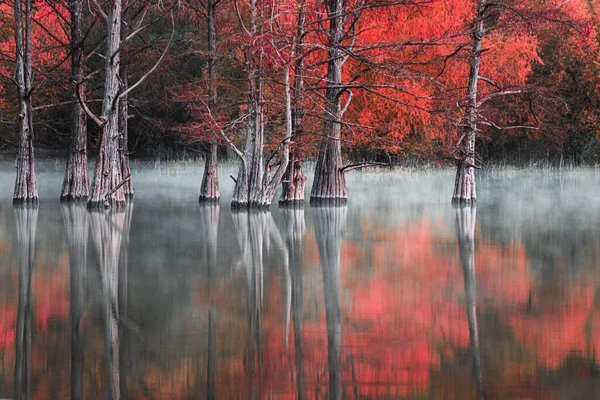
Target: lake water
{"x": 397, "y": 295}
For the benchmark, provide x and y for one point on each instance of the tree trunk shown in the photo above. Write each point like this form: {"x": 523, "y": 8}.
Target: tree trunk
{"x": 248, "y": 187}
{"x": 464, "y": 186}
{"x": 209, "y": 189}
{"x": 329, "y": 226}
{"x": 294, "y": 181}
{"x": 25, "y": 184}
{"x": 77, "y": 226}
{"x": 108, "y": 174}
{"x": 329, "y": 185}
{"x": 76, "y": 184}
{"x": 123, "y": 135}
{"x": 296, "y": 228}
{"x": 465, "y": 234}
{"x": 26, "y": 217}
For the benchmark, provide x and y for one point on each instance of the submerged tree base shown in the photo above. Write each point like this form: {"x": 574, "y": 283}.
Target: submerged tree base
{"x": 291, "y": 203}
{"x": 26, "y": 202}
{"x": 106, "y": 204}
{"x": 209, "y": 200}
{"x": 328, "y": 201}
{"x": 460, "y": 201}
{"x": 235, "y": 205}
{"x": 73, "y": 199}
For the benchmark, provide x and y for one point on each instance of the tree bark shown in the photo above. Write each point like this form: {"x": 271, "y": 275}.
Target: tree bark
{"x": 209, "y": 189}
{"x": 464, "y": 187}
{"x": 26, "y": 217}
{"x": 108, "y": 166}
{"x": 250, "y": 175}
{"x": 76, "y": 181}
{"x": 329, "y": 185}
{"x": 77, "y": 226}
{"x": 329, "y": 226}
{"x": 465, "y": 234}
{"x": 123, "y": 135}
{"x": 294, "y": 181}
{"x": 25, "y": 183}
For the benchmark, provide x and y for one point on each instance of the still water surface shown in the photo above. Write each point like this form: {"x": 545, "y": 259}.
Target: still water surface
{"x": 397, "y": 295}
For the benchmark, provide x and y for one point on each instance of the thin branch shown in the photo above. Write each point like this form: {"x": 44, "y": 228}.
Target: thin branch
{"x": 352, "y": 167}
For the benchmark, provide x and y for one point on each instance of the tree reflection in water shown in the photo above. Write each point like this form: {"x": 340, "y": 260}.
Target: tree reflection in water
{"x": 26, "y": 217}
{"x": 76, "y": 222}
{"x": 465, "y": 235}
{"x": 294, "y": 236}
{"x": 209, "y": 223}
{"x": 329, "y": 227}
{"x": 110, "y": 231}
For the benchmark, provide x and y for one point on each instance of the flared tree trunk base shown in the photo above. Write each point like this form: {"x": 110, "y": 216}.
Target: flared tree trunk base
{"x": 292, "y": 188}
{"x": 25, "y": 184}
{"x": 209, "y": 189}
{"x": 464, "y": 187}
{"x": 23, "y": 201}
{"x": 76, "y": 185}
{"x": 329, "y": 186}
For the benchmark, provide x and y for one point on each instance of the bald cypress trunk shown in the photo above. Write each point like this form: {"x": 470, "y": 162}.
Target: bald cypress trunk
{"x": 209, "y": 189}
{"x": 464, "y": 187}
{"x": 294, "y": 180}
{"x": 329, "y": 185}
{"x": 108, "y": 174}
{"x": 123, "y": 136}
{"x": 25, "y": 183}
{"x": 76, "y": 183}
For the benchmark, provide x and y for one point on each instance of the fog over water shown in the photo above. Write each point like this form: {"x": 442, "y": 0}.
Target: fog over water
{"x": 396, "y": 295}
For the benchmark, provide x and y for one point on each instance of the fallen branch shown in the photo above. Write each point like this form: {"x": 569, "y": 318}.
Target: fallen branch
{"x": 124, "y": 181}
{"x": 352, "y": 167}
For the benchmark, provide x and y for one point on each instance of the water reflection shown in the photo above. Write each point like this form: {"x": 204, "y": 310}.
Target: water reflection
{"x": 465, "y": 235}
{"x": 26, "y": 217}
{"x": 76, "y": 221}
{"x": 384, "y": 298}
{"x": 110, "y": 233}
{"x": 209, "y": 223}
{"x": 329, "y": 226}
{"x": 295, "y": 229}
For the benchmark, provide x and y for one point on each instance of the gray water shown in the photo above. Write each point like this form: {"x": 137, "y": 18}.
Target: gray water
{"x": 396, "y": 295}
